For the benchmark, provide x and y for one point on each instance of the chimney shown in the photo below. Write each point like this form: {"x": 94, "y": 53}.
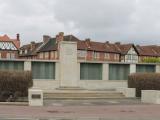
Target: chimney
{"x": 88, "y": 40}
{"x": 18, "y": 37}
{"x": 46, "y": 38}
{"x": 33, "y": 45}
{"x": 107, "y": 42}
{"x": 117, "y": 43}
{"x": 60, "y": 36}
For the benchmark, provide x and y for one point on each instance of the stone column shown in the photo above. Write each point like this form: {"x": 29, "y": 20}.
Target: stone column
{"x": 68, "y": 64}
{"x": 27, "y": 66}
{"x": 105, "y": 71}
{"x": 132, "y": 68}
{"x": 158, "y": 68}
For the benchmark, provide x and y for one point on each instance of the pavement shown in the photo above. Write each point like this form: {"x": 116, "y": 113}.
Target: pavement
{"x": 110, "y": 109}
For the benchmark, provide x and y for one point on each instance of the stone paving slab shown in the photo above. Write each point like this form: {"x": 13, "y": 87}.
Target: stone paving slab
{"x": 116, "y": 112}
{"x": 110, "y": 109}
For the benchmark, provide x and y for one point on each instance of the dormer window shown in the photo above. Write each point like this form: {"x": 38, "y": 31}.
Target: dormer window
{"x": 25, "y": 51}
{"x": 21, "y": 52}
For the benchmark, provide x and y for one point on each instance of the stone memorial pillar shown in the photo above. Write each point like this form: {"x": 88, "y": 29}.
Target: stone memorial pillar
{"x": 68, "y": 64}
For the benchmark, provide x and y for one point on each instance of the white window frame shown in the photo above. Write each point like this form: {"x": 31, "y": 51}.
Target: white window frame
{"x": 82, "y": 53}
{"x": 96, "y": 55}
{"x": 106, "y": 55}
{"x": 46, "y": 55}
{"x": 41, "y": 55}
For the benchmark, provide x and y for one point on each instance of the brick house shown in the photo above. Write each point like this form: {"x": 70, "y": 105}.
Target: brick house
{"x": 9, "y": 47}
{"x": 128, "y": 52}
{"x": 86, "y": 49}
{"x": 89, "y": 50}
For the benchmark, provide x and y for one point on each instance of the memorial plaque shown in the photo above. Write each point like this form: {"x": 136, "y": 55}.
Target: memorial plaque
{"x": 36, "y": 96}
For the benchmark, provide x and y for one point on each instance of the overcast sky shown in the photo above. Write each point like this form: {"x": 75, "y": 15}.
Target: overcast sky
{"x": 135, "y": 21}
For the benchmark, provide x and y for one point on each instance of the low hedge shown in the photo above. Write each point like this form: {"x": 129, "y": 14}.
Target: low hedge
{"x": 14, "y": 84}
{"x": 144, "y": 81}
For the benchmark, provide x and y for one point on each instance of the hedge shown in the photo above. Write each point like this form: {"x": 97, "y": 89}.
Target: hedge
{"x": 144, "y": 81}
{"x": 14, "y": 84}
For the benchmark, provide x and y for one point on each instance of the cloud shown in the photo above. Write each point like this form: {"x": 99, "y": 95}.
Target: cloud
{"x": 30, "y": 18}
{"x": 135, "y": 21}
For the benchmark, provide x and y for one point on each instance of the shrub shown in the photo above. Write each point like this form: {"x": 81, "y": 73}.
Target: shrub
{"x": 14, "y": 84}
{"x": 144, "y": 81}
{"x": 151, "y": 60}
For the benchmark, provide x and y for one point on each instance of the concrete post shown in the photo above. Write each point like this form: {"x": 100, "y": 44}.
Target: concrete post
{"x": 132, "y": 68}
{"x": 57, "y": 74}
{"x": 27, "y": 66}
{"x": 157, "y": 68}
{"x": 78, "y": 71}
{"x": 105, "y": 71}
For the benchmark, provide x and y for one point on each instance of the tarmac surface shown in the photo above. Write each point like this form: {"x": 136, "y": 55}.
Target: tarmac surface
{"x": 110, "y": 109}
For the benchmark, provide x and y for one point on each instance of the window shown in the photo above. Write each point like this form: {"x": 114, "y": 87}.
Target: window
{"x": 46, "y": 55}
{"x": 145, "y": 68}
{"x": 106, "y": 56}
{"x": 56, "y": 54}
{"x": 52, "y": 54}
{"x": 116, "y": 57}
{"x": 119, "y": 71}
{"x": 96, "y": 55}
{"x": 26, "y": 51}
{"x": 12, "y": 55}
{"x": 21, "y": 52}
{"x": 8, "y": 56}
{"x": 82, "y": 53}
{"x": 43, "y": 70}
{"x": 10, "y": 65}
{"x": 91, "y": 71}
{"x": 41, "y": 55}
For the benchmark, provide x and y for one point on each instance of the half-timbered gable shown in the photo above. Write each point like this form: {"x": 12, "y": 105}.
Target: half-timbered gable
{"x": 9, "y": 47}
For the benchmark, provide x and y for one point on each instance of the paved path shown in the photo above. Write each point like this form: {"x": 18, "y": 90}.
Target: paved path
{"x": 109, "y": 112}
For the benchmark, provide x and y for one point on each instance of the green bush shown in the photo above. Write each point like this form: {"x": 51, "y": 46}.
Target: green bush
{"x": 144, "y": 81}
{"x": 151, "y": 60}
{"x": 14, "y": 84}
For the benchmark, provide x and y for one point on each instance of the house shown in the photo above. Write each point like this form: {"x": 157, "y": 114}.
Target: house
{"x": 86, "y": 49}
{"x": 89, "y": 50}
{"x": 9, "y": 47}
{"x": 128, "y": 52}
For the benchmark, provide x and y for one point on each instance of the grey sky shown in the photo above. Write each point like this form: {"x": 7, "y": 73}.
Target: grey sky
{"x": 135, "y": 21}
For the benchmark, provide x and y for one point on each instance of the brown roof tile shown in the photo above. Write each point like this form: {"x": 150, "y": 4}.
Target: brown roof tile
{"x": 150, "y": 50}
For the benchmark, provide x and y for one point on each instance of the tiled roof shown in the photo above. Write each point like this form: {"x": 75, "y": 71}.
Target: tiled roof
{"x": 51, "y": 45}
{"x": 123, "y": 49}
{"x": 97, "y": 46}
{"x": 6, "y": 38}
{"x": 150, "y": 50}
{"x": 31, "y": 52}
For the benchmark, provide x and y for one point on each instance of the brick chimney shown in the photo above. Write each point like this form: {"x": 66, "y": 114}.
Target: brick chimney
{"x": 88, "y": 40}
{"x": 60, "y": 37}
{"x": 107, "y": 42}
{"x": 46, "y": 38}
{"x": 117, "y": 43}
{"x": 33, "y": 45}
{"x": 18, "y": 37}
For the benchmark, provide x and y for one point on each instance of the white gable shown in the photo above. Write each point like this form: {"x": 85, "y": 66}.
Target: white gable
{"x": 132, "y": 51}
{"x": 131, "y": 56}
